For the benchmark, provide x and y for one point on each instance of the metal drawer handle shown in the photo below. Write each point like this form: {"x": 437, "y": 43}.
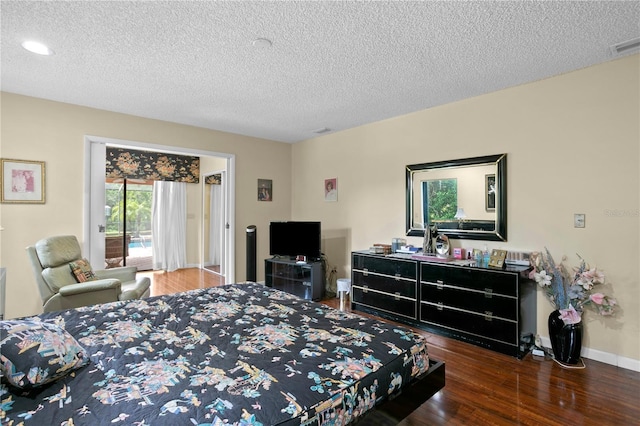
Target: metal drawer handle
{"x": 440, "y": 307}
{"x": 440, "y": 287}
{"x": 488, "y": 293}
{"x": 397, "y": 295}
{"x": 365, "y": 272}
{"x": 365, "y": 288}
{"x": 439, "y": 282}
{"x": 488, "y": 316}
{"x": 398, "y": 277}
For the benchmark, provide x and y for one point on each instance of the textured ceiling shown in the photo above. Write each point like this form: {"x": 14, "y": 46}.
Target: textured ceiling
{"x": 332, "y": 64}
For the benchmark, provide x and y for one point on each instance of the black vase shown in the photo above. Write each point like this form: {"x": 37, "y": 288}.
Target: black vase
{"x": 566, "y": 339}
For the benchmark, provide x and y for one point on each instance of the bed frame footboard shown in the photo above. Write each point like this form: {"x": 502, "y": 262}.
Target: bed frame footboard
{"x": 402, "y": 404}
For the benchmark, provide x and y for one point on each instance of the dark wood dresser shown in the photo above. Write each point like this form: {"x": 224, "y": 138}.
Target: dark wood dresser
{"x": 492, "y": 308}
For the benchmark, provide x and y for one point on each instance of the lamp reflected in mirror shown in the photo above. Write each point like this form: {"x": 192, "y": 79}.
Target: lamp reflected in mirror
{"x": 460, "y": 215}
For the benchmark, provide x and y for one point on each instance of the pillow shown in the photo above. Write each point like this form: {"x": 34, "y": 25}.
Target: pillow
{"x": 35, "y": 353}
{"x": 82, "y": 270}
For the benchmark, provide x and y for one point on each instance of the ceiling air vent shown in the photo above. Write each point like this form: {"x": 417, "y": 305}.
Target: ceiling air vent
{"x": 632, "y": 45}
{"x": 321, "y": 130}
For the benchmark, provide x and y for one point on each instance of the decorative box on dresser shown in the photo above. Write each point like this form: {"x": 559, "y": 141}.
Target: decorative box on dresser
{"x": 492, "y": 308}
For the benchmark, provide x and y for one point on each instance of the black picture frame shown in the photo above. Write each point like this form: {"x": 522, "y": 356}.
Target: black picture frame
{"x": 490, "y": 193}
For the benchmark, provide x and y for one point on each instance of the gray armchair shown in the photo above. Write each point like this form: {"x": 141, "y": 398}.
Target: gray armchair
{"x": 59, "y": 289}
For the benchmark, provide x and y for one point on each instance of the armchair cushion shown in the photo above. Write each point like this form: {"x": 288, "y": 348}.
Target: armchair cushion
{"x": 82, "y": 270}
{"x": 123, "y": 273}
{"x": 58, "y": 251}
{"x": 133, "y": 285}
{"x": 91, "y": 287}
{"x": 36, "y": 352}
{"x": 58, "y": 277}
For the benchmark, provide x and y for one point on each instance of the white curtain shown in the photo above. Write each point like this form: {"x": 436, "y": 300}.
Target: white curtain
{"x": 215, "y": 224}
{"x": 169, "y": 212}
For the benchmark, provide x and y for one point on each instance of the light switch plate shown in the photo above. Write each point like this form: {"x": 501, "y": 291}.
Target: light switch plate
{"x": 578, "y": 220}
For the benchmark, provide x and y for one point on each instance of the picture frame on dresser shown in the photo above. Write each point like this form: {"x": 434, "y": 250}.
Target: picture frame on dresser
{"x": 498, "y": 259}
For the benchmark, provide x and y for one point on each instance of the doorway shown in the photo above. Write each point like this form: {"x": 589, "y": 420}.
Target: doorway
{"x": 95, "y": 212}
{"x": 214, "y": 220}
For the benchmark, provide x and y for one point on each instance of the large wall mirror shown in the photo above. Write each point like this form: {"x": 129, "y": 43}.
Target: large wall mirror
{"x": 464, "y": 198}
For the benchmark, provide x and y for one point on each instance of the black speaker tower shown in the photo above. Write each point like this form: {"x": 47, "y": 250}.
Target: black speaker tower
{"x": 251, "y": 253}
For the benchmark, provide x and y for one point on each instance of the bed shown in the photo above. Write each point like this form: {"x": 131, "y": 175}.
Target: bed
{"x": 240, "y": 354}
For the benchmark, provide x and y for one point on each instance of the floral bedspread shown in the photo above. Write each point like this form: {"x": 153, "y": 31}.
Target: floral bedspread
{"x": 240, "y": 354}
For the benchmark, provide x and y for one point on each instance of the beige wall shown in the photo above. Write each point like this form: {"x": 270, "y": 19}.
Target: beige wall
{"x": 35, "y": 129}
{"x": 572, "y": 144}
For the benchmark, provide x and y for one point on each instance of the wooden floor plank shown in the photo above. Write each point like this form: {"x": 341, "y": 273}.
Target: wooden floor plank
{"x": 487, "y": 388}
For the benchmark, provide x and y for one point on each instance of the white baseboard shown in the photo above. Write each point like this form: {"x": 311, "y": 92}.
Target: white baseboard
{"x": 601, "y": 356}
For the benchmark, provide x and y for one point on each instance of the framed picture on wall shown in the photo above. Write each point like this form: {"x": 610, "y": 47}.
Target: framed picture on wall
{"x": 265, "y": 189}
{"x": 490, "y": 192}
{"x": 331, "y": 189}
{"x": 22, "y": 181}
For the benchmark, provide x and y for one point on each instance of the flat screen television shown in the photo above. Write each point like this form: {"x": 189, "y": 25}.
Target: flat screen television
{"x": 291, "y": 239}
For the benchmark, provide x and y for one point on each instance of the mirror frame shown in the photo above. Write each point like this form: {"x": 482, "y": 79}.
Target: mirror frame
{"x": 500, "y": 232}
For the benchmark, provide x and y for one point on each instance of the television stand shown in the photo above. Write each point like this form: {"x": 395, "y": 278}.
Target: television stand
{"x": 305, "y": 280}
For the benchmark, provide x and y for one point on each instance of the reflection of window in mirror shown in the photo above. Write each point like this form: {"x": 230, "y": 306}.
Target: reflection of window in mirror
{"x": 440, "y": 197}
{"x": 480, "y": 192}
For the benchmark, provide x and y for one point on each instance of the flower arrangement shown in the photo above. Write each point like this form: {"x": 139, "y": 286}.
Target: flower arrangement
{"x": 570, "y": 292}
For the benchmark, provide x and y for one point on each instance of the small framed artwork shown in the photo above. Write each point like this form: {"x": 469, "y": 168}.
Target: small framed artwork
{"x": 498, "y": 258}
{"x": 22, "y": 181}
{"x": 265, "y": 189}
{"x": 490, "y": 192}
{"x": 331, "y": 189}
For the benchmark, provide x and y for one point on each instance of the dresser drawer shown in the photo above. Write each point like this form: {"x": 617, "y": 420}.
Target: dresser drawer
{"x": 496, "y": 282}
{"x": 470, "y": 300}
{"x": 394, "y": 304}
{"x": 383, "y": 266}
{"x": 392, "y": 285}
{"x": 480, "y": 326}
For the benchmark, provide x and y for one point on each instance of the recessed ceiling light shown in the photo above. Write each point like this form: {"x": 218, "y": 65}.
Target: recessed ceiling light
{"x": 37, "y": 47}
{"x": 262, "y": 43}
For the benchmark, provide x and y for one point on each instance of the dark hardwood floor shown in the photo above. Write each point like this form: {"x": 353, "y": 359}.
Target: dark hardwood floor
{"x": 487, "y": 388}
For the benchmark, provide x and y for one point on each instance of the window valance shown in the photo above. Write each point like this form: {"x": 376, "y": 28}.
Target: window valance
{"x": 149, "y": 165}
{"x": 213, "y": 179}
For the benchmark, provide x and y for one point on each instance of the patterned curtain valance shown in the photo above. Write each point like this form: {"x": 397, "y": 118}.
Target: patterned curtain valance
{"x": 149, "y": 165}
{"x": 213, "y": 179}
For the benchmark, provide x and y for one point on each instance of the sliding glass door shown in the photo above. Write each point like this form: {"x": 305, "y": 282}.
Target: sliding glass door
{"x": 128, "y": 233}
